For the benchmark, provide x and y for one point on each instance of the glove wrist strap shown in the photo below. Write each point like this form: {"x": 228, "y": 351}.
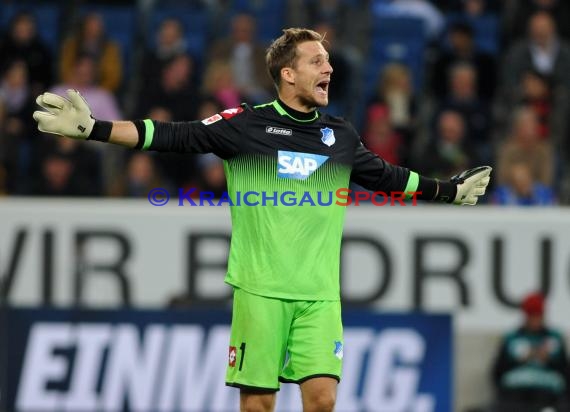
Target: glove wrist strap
{"x": 435, "y": 190}
{"x": 101, "y": 131}
{"x": 447, "y": 192}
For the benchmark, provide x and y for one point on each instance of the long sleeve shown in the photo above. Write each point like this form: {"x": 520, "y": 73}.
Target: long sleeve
{"x": 219, "y": 134}
{"x": 374, "y": 173}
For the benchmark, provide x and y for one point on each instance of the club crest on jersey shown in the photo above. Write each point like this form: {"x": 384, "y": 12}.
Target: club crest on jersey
{"x": 338, "y": 349}
{"x": 296, "y": 165}
{"x": 328, "y": 136}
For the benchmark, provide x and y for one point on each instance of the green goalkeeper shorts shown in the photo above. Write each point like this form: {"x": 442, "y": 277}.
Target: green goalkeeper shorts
{"x": 275, "y": 340}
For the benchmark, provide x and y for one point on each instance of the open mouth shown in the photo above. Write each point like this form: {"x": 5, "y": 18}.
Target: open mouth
{"x": 323, "y": 87}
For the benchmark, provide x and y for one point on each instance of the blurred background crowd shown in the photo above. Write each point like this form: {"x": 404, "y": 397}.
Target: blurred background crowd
{"x": 437, "y": 86}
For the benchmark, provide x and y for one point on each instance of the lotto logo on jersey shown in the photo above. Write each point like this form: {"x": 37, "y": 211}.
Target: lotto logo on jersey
{"x": 295, "y": 165}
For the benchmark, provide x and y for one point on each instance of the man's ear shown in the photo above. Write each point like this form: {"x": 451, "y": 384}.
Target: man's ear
{"x": 288, "y": 75}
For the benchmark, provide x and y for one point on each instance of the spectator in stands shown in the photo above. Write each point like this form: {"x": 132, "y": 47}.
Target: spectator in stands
{"x": 340, "y": 14}
{"x": 485, "y": 22}
{"x": 82, "y": 76}
{"x": 174, "y": 92}
{"x": 530, "y": 371}
{"x": 246, "y": 58}
{"x": 520, "y": 188}
{"x": 16, "y": 97}
{"x": 462, "y": 49}
{"x": 395, "y": 90}
{"x": 16, "y": 132}
{"x": 330, "y": 11}
{"x": 380, "y": 138}
{"x": 103, "y": 104}
{"x": 463, "y": 98}
{"x": 335, "y": 13}
{"x": 141, "y": 177}
{"x": 208, "y": 107}
{"x": 68, "y": 169}
{"x": 219, "y": 83}
{"x": 516, "y": 27}
{"x": 551, "y": 106}
{"x": 160, "y": 114}
{"x": 525, "y": 145}
{"x": 22, "y": 42}
{"x": 170, "y": 44}
{"x": 542, "y": 51}
{"x": 90, "y": 40}
{"x": 449, "y": 151}
{"x": 537, "y": 94}
{"x": 474, "y": 8}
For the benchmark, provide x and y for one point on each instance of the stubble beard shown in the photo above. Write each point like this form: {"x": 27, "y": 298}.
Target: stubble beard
{"x": 310, "y": 101}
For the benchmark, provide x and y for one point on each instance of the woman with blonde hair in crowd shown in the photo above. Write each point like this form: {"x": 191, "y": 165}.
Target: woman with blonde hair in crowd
{"x": 219, "y": 83}
{"x": 395, "y": 90}
{"x": 90, "y": 39}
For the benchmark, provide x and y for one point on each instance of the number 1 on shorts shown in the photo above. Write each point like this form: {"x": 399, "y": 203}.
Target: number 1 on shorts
{"x": 242, "y": 348}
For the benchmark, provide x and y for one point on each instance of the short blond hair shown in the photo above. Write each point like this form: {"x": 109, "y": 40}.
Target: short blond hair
{"x": 283, "y": 51}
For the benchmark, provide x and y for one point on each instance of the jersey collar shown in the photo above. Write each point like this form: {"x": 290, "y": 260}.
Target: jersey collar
{"x": 296, "y": 115}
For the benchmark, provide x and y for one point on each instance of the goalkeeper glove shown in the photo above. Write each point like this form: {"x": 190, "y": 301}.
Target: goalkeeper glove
{"x": 71, "y": 118}
{"x": 471, "y": 184}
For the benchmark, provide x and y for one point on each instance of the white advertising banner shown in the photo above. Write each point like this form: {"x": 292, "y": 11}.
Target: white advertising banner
{"x": 475, "y": 262}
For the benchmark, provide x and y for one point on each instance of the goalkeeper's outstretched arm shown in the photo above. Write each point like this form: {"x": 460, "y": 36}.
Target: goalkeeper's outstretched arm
{"x": 374, "y": 173}
{"x": 72, "y": 117}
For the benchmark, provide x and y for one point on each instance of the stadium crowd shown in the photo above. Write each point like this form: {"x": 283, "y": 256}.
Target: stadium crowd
{"x": 451, "y": 85}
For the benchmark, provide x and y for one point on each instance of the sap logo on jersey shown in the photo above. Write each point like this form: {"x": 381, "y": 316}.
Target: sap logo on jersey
{"x": 296, "y": 165}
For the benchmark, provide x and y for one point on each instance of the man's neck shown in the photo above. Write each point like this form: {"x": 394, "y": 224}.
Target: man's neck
{"x": 294, "y": 112}
{"x": 293, "y": 103}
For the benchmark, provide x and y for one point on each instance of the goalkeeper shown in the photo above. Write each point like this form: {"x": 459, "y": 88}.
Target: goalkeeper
{"x": 284, "y": 261}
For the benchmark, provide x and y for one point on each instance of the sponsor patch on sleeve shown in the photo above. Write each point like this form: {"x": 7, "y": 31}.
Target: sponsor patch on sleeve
{"x": 212, "y": 119}
{"x": 229, "y": 113}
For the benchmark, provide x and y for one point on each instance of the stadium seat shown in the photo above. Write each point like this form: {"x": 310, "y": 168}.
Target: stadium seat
{"x": 47, "y": 18}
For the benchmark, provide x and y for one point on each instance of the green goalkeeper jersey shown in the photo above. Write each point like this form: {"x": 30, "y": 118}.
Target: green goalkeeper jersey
{"x": 284, "y": 169}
